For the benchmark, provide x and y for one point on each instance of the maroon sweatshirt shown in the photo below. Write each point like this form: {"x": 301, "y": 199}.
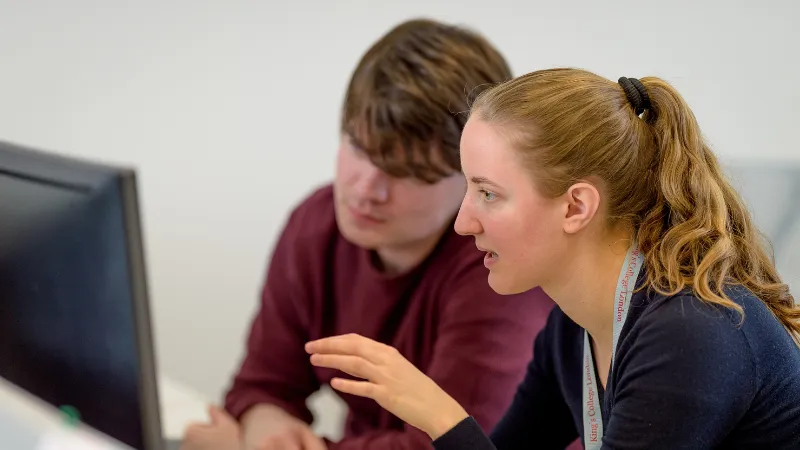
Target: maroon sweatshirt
{"x": 442, "y": 316}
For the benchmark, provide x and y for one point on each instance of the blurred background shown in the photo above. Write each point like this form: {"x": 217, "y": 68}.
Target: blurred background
{"x": 229, "y": 110}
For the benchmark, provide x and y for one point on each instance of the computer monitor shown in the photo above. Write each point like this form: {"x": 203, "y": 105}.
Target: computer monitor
{"x": 74, "y": 313}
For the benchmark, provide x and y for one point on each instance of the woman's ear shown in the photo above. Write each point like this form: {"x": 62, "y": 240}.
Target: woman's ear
{"x": 582, "y": 203}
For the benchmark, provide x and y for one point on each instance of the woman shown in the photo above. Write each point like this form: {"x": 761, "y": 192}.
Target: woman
{"x": 673, "y": 329}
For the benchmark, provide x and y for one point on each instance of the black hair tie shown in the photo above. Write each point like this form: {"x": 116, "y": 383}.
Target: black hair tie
{"x": 636, "y": 93}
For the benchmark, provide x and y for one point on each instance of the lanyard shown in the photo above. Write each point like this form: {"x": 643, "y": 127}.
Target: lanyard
{"x": 592, "y": 415}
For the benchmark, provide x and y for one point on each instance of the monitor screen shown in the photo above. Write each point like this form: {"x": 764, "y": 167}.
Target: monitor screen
{"x": 68, "y": 318}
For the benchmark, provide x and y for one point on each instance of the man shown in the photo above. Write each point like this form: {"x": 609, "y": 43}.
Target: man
{"x": 376, "y": 254}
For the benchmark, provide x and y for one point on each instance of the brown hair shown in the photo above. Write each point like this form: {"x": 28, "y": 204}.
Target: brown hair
{"x": 658, "y": 174}
{"x": 406, "y": 99}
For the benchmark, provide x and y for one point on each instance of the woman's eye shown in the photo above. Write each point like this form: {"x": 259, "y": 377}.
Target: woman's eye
{"x": 487, "y": 196}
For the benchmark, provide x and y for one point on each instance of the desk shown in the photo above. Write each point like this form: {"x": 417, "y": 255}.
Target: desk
{"x": 180, "y": 405}
{"x": 26, "y": 420}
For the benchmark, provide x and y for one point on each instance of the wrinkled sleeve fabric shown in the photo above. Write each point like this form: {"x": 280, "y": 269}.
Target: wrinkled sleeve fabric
{"x": 276, "y": 369}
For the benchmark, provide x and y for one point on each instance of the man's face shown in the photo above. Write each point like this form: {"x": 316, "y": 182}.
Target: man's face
{"x": 375, "y": 210}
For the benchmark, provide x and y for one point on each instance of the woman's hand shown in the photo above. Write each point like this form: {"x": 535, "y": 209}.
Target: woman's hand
{"x": 390, "y": 380}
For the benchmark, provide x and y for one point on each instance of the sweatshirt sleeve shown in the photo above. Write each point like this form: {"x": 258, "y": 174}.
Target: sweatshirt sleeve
{"x": 275, "y": 369}
{"x": 480, "y": 355}
{"x": 538, "y": 417}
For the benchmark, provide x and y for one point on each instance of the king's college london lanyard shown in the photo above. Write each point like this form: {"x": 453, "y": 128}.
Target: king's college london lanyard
{"x": 592, "y": 415}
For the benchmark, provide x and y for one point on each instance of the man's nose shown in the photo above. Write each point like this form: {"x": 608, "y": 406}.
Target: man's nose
{"x": 373, "y": 184}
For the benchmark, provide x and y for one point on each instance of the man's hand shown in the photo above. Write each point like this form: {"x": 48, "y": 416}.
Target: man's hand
{"x": 267, "y": 427}
{"x": 222, "y": 433}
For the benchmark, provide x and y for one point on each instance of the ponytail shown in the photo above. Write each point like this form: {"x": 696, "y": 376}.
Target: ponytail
{"x": 659, "y": 175}
{"x": 699, "y": 233}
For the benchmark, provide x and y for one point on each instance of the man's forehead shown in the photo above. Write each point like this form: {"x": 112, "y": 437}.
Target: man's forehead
{"x": 404, "y": 157}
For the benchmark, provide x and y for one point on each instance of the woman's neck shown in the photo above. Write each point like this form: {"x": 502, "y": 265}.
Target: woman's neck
{"x": 587, "y": 293}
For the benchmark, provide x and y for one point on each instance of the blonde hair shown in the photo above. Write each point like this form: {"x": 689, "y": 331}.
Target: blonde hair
{"x": 658, "y": 173}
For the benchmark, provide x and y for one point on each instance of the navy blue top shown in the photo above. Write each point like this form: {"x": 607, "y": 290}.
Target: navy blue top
{"x": 686, "y": 375}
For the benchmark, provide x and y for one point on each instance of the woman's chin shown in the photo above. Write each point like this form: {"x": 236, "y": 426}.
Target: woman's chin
{"x": 507, "y": 286}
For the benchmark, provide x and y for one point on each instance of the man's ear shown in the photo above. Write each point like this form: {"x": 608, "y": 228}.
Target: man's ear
{"x": 582, "y": 203}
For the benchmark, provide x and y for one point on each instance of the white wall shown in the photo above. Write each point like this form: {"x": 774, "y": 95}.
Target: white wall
{"x": 229, "y": 110}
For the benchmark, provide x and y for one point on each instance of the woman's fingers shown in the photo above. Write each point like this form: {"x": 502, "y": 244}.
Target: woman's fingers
{"x": 348, "y": 344}
{"x": 359, "y": 388}
{"x": 352, "y": 365}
